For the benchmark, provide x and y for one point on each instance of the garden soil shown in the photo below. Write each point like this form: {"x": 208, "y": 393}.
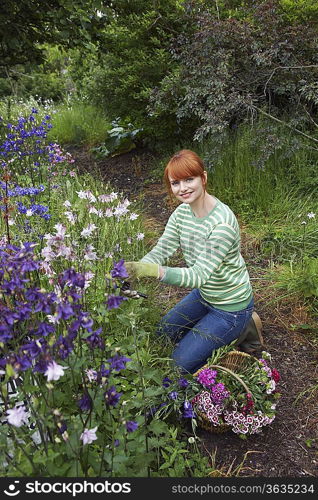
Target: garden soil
{"x": 289, "y": 447}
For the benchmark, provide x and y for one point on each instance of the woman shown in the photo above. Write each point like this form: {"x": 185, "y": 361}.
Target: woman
{"x": 219, "y": 308}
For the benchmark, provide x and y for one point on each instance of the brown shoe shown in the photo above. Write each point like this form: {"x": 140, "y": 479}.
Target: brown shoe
{"x": 251, "y": 339}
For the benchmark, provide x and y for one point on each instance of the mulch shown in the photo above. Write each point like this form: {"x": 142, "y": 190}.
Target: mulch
{"x": 289, "y": 446}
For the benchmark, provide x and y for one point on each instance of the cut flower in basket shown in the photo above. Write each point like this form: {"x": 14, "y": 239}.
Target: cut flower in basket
{"x": 233, "y": 391}
{"x": 236, "y": 391}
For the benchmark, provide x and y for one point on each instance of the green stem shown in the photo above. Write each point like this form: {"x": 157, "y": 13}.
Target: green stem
{"x": 18, "y": 444}
{"x": 227, "y": 370}
{"x": 143, "y": 391}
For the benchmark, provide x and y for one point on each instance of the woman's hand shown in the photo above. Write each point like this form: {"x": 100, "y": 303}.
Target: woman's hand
{"x": 143, "y": 269}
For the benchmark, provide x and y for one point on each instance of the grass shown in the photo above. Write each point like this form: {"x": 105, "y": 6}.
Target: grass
{"x": 79, "y": 124}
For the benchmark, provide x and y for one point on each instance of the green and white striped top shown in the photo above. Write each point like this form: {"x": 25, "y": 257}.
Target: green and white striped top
{"x": 211, "y": 250}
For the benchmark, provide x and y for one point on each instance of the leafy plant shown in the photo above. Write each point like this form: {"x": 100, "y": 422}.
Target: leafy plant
{"x": 120, "y": 139}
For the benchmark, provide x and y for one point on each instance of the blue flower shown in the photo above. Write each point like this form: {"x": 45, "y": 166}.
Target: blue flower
{"x": 188, "y": 410}
{"x": 183, "y": 383}
{"x": 166, "y": 382}
{"x": 85, "y": 403}
{"x": 64, "y": 310}
{"x": 118, "y": 362}
{"x": 173, "y": 395}
{"x": 114, "y": 301}
{"x": 131, "y": 426}
{"x": 112, "y": 396}
{"x": 119, "y": 270}
{"x": 95, "y": 340}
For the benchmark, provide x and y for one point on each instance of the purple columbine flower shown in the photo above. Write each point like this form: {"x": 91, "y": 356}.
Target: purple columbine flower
{"x": 95, "y": 340}
{"x": 166, "y": 382}
{"x": 85, "y": 403}
{"x": 183, "y": 383}
{"x": 173, "y": 395}
{"x": 112, "y": 396}
{"x": 114, "y": 301}
{"x": 62, "y": 427}
{"x": 188, "y": 410}
{"x": 119, "y": 270}
{"x": 131, "y": 426}
{"x": 118, "y": 362}
{"x": 64, "y": 310}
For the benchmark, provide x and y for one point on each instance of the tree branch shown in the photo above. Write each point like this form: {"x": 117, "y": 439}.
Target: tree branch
{"x": 284, "y": 123}
{"x": 286, "y": 67}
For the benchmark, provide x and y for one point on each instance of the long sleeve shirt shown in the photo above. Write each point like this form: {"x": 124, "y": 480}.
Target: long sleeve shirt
{"x": 211, "y": 250}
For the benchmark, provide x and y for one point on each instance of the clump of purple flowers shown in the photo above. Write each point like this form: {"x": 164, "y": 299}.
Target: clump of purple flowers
{"x": 206, "y": 377}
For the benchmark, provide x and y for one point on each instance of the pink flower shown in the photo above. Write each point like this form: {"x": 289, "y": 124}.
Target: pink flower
{"x": 206, "y": 377}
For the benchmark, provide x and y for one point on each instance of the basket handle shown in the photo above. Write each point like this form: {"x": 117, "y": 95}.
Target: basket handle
{"x": 227, "y": 370}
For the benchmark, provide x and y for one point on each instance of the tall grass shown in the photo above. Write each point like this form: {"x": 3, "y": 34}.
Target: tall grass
{"x": 262, "y": 170}
{"x": 79, "y": 124}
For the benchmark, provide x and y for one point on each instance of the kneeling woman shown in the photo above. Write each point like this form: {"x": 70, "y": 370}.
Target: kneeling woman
{"x": 219, "y": 308}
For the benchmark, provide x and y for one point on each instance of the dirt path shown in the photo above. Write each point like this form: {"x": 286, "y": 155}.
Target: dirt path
{"x": 289, "y": 447}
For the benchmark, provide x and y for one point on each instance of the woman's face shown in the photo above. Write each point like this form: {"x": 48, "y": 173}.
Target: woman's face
{"x": 188, "y": 190}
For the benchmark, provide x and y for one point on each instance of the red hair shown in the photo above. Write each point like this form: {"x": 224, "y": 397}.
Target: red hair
{"x": 184, "y": 164}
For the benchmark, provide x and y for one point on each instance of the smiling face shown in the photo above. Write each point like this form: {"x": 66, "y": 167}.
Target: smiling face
{"x": 189, "y": 189}
{"x": 185, "y": 176}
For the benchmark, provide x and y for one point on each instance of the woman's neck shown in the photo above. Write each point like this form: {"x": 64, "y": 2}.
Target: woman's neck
{"x": 203, "y": 206}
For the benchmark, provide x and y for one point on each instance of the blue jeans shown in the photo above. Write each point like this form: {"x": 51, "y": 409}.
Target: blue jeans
{"x": 198, "y": 328}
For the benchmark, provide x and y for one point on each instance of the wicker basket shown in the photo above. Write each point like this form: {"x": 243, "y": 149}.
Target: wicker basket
{"x": 233, "y": 362}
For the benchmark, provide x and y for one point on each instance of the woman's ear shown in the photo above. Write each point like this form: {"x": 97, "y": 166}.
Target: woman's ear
{"x": 205, "y": 177}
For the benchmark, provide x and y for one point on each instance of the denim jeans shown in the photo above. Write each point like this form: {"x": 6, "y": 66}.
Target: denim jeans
{"x": 198, "y": 328}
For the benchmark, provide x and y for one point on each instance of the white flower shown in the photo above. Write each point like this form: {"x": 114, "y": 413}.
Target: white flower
{"x": 270, "y": 386}
{"x": 67, "y": 204}
{"x": 54, "y": 371}
{"x": 126, "y": 202}
{"x": 71, "y": 217}
{"x": 91, "y": 374}
{"x": 311, "y": 215}
{"x": 120, "y": 210}
{"x": 88, "y": 436}
{"x": 140, "y": 236}
{"x": 52, "y": 318}
{"x": 303, "y": 222}
{"x": 88, "y": 278}
{"x": 64, "y": 251}
{"x": 89, "y": 253}
{"x": 93, "y": 210}
{"x": 113, "y": 196}
{"x": 109, "y": 212}
{"x": 60, "y": 231}
{"x": 87, "y": 231}
{"x": 11, "y": 222}
{"x": 48, "y": 254}
{"x": 82, "y": 195}
{"x": 91, "y": 197}
{"x": 17, "y": 416}
{"x": 29, "y": 212}
{"x": 133, "y": 216}
{"x": 105, "y": 198}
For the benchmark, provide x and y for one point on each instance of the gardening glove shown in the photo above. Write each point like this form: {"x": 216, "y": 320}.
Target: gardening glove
{"x": 142, "y": 269}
